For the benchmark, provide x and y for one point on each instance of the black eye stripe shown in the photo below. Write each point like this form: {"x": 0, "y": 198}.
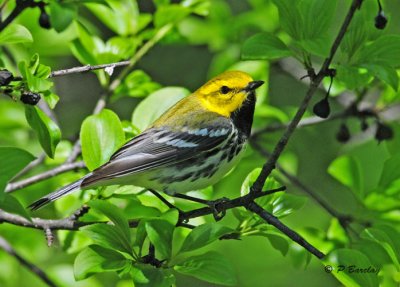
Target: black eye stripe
{"x": 225, "y": 89}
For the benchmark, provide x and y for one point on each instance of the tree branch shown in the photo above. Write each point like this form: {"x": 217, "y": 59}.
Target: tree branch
{"x": 315, "y": 82}
{"x": 19, "y": 8}
{"x": 247, "y": 201}
{"x": 87, "y": 68}
{"x": 6, "y": 246}
{"x": 268, "y": 217}
{"x": 13, "y": 186}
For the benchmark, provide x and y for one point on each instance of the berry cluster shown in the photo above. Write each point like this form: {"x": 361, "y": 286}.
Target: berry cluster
{"x": 382, "y": 132}
{"x": 27, "y": 97}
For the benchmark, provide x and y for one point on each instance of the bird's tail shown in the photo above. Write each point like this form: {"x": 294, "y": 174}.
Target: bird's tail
{"x": 56, "y": 194}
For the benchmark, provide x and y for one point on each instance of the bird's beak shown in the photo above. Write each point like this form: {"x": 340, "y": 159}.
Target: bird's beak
{"x": 253, "y": 85}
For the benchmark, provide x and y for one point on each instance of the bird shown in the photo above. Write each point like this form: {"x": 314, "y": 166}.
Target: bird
{"x": 191, "y": 146}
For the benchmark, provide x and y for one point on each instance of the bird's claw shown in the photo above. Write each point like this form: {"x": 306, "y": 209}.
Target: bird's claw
{"x": 218, "y": 214}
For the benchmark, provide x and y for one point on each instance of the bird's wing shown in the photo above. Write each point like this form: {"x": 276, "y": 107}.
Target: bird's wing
{"x": 158, "y": 147}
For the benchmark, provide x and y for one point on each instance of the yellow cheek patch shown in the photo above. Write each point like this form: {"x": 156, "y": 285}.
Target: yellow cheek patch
{"x": 213, "y": 99}
{"x": 224, "y": 105}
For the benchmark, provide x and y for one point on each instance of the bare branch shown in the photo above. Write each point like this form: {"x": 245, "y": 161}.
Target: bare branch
{"x": 12, "y": 186}
{"x": 87, "y": 68}
{"x": 19, "y": 8}
{"x": 268, "y": 217}
{"x": 315, "y": 82}
{"x": 30, "y": 166}
{"x": 6, "y": 246}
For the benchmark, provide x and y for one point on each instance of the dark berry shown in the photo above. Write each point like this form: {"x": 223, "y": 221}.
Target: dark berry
{"x": 380, "y": 21}
{"x": 44, "y": 20}
{"x": 364, "y": 125}
{"x": 5, "y": 77}
{"x": 322, "y": 108}
{"x": 383, "y": 132}
{"x": 30, "y": 98}
{"x": 343, "y": 134}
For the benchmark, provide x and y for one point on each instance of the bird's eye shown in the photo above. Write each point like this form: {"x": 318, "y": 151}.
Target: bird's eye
{"x": 225, "y": 89}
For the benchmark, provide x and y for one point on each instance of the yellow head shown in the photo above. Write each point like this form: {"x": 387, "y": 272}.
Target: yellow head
{"x": 227, "y": 92}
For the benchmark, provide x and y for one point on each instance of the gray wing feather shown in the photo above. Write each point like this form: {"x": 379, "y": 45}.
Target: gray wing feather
{"x": 156, "y": 148}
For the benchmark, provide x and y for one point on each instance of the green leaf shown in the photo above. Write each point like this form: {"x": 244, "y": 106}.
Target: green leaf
{"x": 120, "y": 16}
{"x": 101, "y": 135}
{"x": 51, "y": 99}
{"x": 353, "y": 77}
{"x": 269, "y": 184}
{"x": 47, "y": 131}
{"x": 391, "y": 171}
{"x": 347, "y": 170}
{"x": 284, "y": 204}
{"x": 136, "y": 84}
{"x": 95, "y": 259}
{"x": 114, "y": 214}
{"x": 152, "y": 107}
{"x": 342, "y": 260}
{"x": 290, "y": 17}
{"x": 211, "y": 267}
{"x": 12, "y": 160}
{"x": 170, "y": 14}
{"x": 15, "y": 33}
{"x": 385, "y": 73}
{"x": 35, "y": 75}
{"x": 81, "y": 53}
{"x": 385, "y": 49}
{"x": 264, "y": 46}
{"x": 151, "y": 276}
{"x": 317, "y": 16}
{"x": 62, "y": 15}
{"x": 203, "y": 235}
{"x": 160, "y": 234}
{"x": 388, "y": 238}
{"x": 10, "y": 204}
{"x": 278, "y": 242}
{"x": 108, "y": 236}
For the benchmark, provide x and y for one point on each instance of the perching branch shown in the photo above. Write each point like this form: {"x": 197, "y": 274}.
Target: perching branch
{"x": 13, "y": 186}
{"x": 315, "y": 82}
{"x": 6, "y": 246}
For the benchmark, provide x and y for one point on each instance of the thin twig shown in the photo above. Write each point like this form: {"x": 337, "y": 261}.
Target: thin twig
{"x": 76, "y": 150}
{"x": 30, "y": 166}
{"x": 315, "y": 82}
{"x": 163, "y": 199}
{"x": 6, "y": 246}
{"x": 87, "y": 68}
{"x": 268, "y": 217}
{"x": 13, "y": 186}
{"x": 19, "y": 7}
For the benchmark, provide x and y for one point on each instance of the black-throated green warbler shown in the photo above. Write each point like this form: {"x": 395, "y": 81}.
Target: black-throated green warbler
{"x": 193, "y": 145}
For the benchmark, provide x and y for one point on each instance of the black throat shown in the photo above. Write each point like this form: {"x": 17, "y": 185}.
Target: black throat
{"x": 243, "y": 118}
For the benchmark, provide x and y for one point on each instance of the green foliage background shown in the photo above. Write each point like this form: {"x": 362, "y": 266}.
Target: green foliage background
{"x": 201, "y": 39}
